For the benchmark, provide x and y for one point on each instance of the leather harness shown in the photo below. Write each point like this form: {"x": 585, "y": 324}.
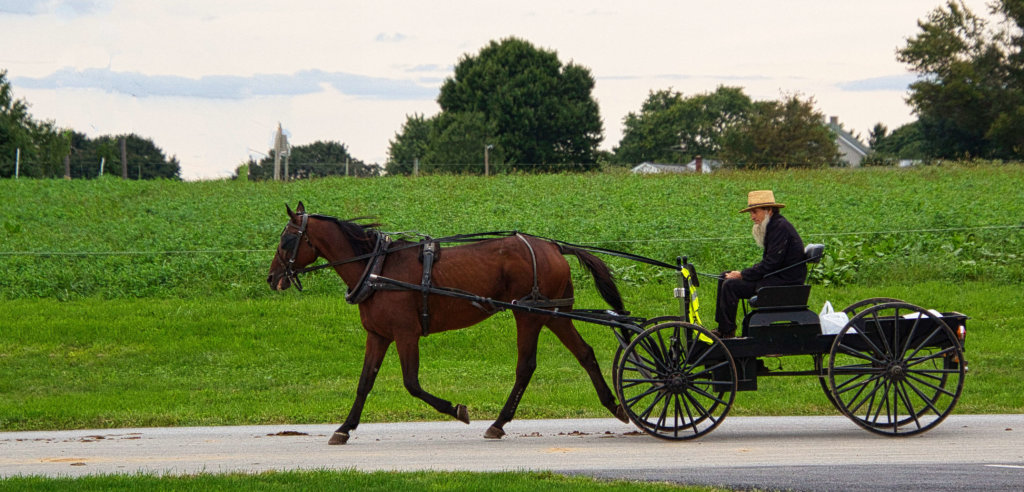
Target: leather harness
{"x": 368, "y": 282}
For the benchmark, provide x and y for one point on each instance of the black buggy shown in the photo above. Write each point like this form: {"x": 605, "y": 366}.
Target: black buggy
{"x": 894, "y": 369}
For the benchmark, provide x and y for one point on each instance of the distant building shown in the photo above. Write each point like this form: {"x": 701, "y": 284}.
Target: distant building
{"x": 851, "y": 150}
{"x": 704, "y": 166}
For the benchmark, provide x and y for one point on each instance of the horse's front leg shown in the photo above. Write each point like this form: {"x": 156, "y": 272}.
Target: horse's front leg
{"x": 409, "y": 356}
{"x": 376, "y": 347}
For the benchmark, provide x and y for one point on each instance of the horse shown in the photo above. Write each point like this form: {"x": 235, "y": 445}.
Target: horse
{"x": 509, "y": 269}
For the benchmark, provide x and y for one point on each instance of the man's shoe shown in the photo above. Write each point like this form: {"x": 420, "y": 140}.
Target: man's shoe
{"x": 723, "y": 336}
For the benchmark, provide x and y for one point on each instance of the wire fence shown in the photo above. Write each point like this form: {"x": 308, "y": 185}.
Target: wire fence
{"x": 583, "y": 243}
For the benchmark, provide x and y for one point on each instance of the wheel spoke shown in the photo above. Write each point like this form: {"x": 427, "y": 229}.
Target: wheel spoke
{"x": 924, "y": 343}
{"x": 650, "y": 408}
{"x": 854, "y": 383}
{"x": 846, "y": 349}
{"x": 940, "y": 389}
{"x": 913, "y": 361}
{"x": 928, "y": 401}
{"x": 700, "y": 408}
{"x": 910, "y": 336}
{"x": 901, "y": 392}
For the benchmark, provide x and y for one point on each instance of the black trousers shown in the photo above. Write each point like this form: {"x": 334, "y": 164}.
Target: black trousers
{"x": 730, "y": 291}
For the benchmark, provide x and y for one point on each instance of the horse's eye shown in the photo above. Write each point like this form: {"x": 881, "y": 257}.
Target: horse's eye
{"x": 289, "y": 241}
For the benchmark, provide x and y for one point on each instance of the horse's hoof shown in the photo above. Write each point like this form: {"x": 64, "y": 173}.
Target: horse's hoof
{"x": 620, "y": 413}
{"x": 462, "y": 413}
{"x": 494, "y": 432}
{"x": 338, "y": 438}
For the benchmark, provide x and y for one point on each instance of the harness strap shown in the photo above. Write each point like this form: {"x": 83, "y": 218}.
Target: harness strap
{"x": 535, "y": 298}
{"x": 363, "y": 289}
{"x": 429, "y": 249}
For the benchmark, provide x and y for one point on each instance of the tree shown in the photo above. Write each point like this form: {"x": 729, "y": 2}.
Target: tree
{"x": 42, "y": 145}
{"x": 409, "y": 145}
{"x": 673, "y": 128}
{"x": 789, "y": 133}
{"x": 145, "y": 159}
{"x": 317, "y": 159}
{"x": 457, "y": 142}
{"x": 541, "y": 112}
{"x": 969, "y": 96}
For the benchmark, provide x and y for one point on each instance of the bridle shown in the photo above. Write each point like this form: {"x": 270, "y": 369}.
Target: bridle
{"x": 292, "y": 274}
{"x": 289, "y": 266}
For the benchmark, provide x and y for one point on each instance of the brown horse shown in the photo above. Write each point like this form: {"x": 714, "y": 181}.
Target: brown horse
{"x": 506, "y": 269}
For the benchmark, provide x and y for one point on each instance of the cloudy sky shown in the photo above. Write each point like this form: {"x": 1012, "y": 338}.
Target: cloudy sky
{"x": 208, "y": 81}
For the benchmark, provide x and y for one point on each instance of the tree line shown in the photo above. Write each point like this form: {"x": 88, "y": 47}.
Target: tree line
{"x": 39, "y": 149}
{"x": 515, "y": 107}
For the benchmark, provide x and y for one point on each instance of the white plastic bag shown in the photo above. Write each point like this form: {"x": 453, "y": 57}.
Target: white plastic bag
{"x": 831, "y": 321}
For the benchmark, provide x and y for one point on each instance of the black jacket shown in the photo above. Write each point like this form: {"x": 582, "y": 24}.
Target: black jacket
{"x": 782, "y": 248}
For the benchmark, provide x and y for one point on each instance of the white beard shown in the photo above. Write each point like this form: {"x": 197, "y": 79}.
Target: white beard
{"x": 758, "y": 231}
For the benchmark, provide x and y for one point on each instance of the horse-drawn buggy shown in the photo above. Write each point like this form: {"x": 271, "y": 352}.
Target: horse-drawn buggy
{"x": 894, "y": 368}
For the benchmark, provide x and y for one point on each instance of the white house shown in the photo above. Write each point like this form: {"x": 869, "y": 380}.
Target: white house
{"x": 696, "y": 165}
{"x": 851, "y": 150}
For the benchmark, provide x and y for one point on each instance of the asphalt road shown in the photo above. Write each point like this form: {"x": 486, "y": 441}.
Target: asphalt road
{"x": 966, "y": 452}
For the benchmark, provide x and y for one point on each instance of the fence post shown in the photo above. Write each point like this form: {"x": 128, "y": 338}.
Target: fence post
{"x": 124, "y": 158}
{"x": 17, "y": 162}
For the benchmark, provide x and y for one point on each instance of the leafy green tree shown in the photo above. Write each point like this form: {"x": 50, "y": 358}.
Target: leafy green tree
{"x": 410, "y": 144}
{"x": 969, "y": 97}
{"x": 145, "y": 159}
{"x": 42, "y": 146}
{"x": 905, "y": 142}
{"x": 457, "y": 144}
{"x": 789, "y": 133}
{"x": 318, "y": 159}
{"x": 673, "y": 128}
{"x": 542, "y": 112}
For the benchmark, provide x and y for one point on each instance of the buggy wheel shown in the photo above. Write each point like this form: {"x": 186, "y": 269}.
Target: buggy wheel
{"x": 896, "y": 369}
{"x": 628, "y": 337}
{"x": 858, "y": 306}
{"x": 677, "y": 381}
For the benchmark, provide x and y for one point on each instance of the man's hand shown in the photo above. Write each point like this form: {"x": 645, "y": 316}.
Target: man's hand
{"x": 733, "y": 275}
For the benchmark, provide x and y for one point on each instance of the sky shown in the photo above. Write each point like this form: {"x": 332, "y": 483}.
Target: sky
{"x": 209, "y": 81}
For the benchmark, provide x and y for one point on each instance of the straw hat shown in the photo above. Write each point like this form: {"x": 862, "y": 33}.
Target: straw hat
{"x": 761, "y": 198}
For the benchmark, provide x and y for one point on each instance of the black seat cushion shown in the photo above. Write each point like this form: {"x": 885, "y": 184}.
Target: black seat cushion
{"x": 779, "y": 296}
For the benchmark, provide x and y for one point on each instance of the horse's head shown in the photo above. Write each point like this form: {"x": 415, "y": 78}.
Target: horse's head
{"x": 294, "y": 251}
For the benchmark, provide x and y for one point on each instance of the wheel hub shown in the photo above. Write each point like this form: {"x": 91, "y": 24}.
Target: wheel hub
{"x": 897, "y": 371}
{"x": 677, "y": 382}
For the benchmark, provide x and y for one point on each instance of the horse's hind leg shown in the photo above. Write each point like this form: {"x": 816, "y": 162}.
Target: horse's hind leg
{"x": 376, "y": 347}
{"x": 409, "y": 355}
{"x": 567, "y": 334}
{"x": 527, "y": 334}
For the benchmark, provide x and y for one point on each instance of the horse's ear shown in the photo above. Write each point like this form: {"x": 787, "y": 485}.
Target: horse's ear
{"x": 300, "y": 209}
{"x": 289, "y": 209}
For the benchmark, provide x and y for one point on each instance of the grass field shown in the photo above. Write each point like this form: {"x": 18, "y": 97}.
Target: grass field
{"x": 145, "y": 304}
{"x": 331, "y": 480}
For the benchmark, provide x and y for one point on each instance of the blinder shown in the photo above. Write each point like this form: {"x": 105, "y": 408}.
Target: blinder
{"x": 290, "y": 242}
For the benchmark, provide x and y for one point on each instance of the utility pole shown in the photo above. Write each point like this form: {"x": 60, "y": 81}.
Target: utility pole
{"x": 277, "y": 152}
{"x": 487, "y": 155}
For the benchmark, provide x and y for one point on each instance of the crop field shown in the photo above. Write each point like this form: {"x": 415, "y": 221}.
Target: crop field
{"x": 127, "y": 303}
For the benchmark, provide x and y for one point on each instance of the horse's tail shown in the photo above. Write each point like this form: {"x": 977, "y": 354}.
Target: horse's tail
{"x": 602, "y": 276}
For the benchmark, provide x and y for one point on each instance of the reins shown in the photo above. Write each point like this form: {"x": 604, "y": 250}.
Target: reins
{"x": 384, "y": 246}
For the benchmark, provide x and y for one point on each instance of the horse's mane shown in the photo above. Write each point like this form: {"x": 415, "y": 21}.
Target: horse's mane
{"x": 363, "y": 237}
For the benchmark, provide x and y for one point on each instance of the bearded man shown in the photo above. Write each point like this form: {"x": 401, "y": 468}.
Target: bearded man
{"x": 780, "y": 262}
